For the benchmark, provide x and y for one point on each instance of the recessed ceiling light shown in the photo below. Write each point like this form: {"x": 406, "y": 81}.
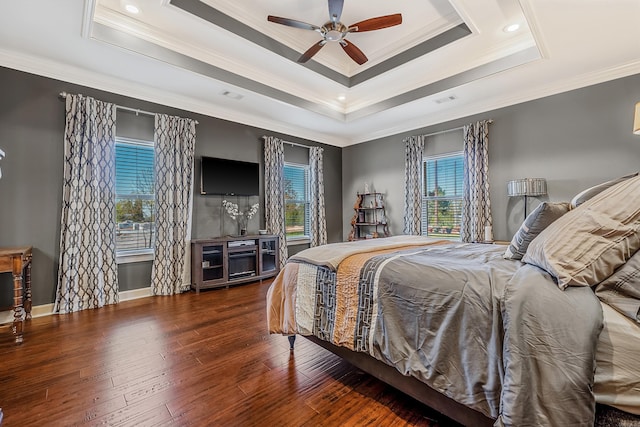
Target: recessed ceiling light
{"x": 511, "y": 28}
{"x": 342, "y": 97}
{"x": 132, "y": 8}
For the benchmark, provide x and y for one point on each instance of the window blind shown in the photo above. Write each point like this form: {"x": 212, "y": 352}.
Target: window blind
{"x": 442, "y": 187}
{"x": 134, "y": 194}
{"x": 296, "y": 178}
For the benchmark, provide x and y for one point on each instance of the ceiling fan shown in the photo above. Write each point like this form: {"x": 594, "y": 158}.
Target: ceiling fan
{"x": 335, "y": 31}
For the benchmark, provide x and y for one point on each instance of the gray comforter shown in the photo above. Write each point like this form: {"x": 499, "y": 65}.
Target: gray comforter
{"x": 496, "y": 335}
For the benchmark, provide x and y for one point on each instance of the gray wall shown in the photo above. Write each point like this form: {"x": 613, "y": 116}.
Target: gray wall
{"x": 574, "y": 139}
{"x": 31, "y": 134}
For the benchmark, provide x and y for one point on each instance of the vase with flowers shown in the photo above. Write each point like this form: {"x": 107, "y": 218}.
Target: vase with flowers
{"x": 242, "y": 217}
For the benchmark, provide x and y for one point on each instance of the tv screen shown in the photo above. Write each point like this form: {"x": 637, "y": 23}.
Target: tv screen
{"x": 229, "y": 177}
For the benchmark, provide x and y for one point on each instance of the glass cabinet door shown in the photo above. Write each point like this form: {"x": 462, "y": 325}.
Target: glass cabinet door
{"x": 212, "y": 262}
{"x": 268, "y": 249}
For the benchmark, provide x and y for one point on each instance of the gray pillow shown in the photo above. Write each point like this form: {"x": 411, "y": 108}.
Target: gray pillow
{"x": 587, "y": 244}
{"x": 538, "y": 220}
{"x": 585, "y": 195}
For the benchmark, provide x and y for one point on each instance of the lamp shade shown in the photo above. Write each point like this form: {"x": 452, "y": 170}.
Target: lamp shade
{"x": 527, "y": 187}
{"x": 636, "y": 120}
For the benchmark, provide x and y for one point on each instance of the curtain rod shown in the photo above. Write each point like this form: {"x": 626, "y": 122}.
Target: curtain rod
{"x": 63, "y": 95}
{"x": 291, "y": 143}
{"x": 451, "y": 130}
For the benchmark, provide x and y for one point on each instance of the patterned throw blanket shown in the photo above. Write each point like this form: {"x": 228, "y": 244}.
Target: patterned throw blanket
{"x": 496, "y": 335}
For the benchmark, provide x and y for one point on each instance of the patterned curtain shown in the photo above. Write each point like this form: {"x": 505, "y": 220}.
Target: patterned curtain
{"x": 274, "y": 192}
{"x": 175, "y": 139}
{"x": 87, "y": 273}
{"x": 476, "y": 206}
{"x": 316, "y": 210}
{"x": 414, "y": 149}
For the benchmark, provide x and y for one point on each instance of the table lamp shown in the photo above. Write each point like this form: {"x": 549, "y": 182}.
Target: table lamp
{"x": 527, "y": 187}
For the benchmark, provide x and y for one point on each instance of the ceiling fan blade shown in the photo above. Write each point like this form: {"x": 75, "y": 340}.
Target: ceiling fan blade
{"x": 312, "y": 51}
{"x": 335, "y": 9}
{"x": 355, "y": 53}
{"x": 376, "y": 23}
{"x": 292, "y": 23}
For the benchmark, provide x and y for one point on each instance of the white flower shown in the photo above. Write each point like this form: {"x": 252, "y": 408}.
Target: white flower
{"x": 234, "y": 211}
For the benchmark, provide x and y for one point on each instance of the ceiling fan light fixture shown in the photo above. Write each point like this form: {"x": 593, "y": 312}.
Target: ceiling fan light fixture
{"x": 336, "y": 31}
{"x": 333, "y": 36}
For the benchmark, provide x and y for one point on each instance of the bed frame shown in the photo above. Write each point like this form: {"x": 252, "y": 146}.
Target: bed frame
{"x": 406, "y": 384}
{"x": 606, "y": 416}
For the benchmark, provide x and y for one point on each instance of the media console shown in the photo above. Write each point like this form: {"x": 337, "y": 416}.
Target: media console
{"x": 225, "y": 261}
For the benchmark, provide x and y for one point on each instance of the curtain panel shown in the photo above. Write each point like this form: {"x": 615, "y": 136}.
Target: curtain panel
{"x": 175, "y": 146}
{"x": 476, "y": 205}
{"x": 414, "y": 151}
{"x": 317, "y": 212}
{"x": 274, "y": 208}
{"x": 87, "y": 273}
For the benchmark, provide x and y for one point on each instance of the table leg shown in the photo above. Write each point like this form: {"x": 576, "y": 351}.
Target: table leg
{"x": 27, "y": 284}
{"x": 18, "y": 320}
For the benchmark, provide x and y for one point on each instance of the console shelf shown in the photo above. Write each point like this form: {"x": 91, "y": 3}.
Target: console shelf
{"x": 225, "y": 261}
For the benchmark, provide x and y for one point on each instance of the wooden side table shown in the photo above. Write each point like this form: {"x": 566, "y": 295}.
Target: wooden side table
{"x": 18, "y": 261}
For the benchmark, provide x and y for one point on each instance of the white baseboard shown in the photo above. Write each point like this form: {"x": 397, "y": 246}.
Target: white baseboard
{"x": 47, "y": 309}
{"x": 135, "y": 294}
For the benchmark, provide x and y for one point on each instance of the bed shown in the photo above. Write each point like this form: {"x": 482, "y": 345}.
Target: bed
{"x": 532, "y": 335}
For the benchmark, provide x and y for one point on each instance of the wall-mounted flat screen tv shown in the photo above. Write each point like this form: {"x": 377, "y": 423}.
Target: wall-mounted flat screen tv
{"x": 229, "y": 177}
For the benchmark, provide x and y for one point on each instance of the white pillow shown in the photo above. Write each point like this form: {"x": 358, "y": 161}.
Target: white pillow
{"x": 585, "y": 195}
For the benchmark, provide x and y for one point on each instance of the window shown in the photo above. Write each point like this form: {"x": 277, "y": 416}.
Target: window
{"x": 134, "y": 196}
{"x": 442, "y": 181}
{"x": 296, "y": 199}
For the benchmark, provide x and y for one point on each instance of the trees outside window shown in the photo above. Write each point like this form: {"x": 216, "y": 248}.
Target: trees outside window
{"x": 134, "y": 195}
{"x": 442, "y": 179}
{"x": 296, "y": 198}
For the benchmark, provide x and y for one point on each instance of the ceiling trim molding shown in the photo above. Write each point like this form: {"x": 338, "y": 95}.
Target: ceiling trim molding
{"x": 168, "y": 56}
{"x": 566, "y": 85}
{"x": 467, "y": 76}
{"x": 115, "y": 21}
{"x": 87, "y": 18}
{"x": 443, "y": 39}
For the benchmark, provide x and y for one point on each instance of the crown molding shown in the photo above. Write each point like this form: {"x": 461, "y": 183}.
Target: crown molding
{"x": 79, "y": 76}
{"x": 75, "y": 75}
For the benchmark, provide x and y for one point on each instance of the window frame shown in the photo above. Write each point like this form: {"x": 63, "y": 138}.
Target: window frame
{"x": 305, "y": 238}
{"x": 142, "y": 254}
{"x": 425, "y": 198}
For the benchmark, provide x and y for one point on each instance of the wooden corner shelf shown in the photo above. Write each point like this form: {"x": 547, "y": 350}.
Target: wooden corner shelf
{"x": 369, "y": 220}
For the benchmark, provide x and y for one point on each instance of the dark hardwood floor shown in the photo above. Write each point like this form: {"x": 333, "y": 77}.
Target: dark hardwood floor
{"x": 197, "y": 360}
